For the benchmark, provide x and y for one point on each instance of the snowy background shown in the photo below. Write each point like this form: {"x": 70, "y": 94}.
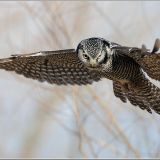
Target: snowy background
{"x": 39, "y": 120}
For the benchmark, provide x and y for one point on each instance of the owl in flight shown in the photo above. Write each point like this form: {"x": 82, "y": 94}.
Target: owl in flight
{"x": 93, "y": 60}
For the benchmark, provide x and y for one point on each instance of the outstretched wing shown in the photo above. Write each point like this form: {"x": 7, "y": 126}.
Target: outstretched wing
{"x": 59, "y": 67}
{"x": 144, "y": 94}
{"x": 130, "y": 95}
{"x": 149, "y": 61}
{"x": 118, "y": 92}
{"x": 151, "y": 65}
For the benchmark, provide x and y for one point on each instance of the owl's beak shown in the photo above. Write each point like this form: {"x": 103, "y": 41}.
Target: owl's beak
{"x": 93, "y": 64}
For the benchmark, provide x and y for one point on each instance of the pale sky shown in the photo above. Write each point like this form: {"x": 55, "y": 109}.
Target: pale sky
{"x": 43, "y": 120}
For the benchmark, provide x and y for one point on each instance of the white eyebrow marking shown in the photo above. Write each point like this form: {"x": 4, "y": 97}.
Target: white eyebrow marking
{"x": 109, "y": 51}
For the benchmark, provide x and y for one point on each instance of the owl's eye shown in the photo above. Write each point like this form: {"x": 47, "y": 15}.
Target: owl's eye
{"x": 85, "y": 56}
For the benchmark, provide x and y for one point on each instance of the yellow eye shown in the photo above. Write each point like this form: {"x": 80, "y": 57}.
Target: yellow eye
{"x": 86, "y": 56}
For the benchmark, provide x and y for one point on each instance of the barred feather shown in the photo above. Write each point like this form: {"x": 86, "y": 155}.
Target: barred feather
{"x": 142, "y": 93}
{"x": 121, "y": 64}
{"x": 149, "y": 62}
{"x": 59, "y": 67}
{"x": 118, "y": 91}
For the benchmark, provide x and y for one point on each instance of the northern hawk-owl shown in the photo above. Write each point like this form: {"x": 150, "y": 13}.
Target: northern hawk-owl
{"x": 94, "y": 59}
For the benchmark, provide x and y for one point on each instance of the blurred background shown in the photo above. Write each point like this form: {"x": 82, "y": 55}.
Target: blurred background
{"x": 39, "y": 120}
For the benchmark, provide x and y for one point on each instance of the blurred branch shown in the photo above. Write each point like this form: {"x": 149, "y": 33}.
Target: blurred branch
{"x": 114, "y": 122}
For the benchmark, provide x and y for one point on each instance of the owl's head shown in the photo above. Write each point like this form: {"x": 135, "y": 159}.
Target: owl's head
{"x": 94, "y": 52}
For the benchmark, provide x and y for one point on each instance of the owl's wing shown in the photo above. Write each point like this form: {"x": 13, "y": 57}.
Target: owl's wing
{"x": 59, "y": 67}
{"x": 144, "y": 94}
{"x": 149, "y": 61}
{"x": 133, "y": 98}
{"x": 118, "y": 92}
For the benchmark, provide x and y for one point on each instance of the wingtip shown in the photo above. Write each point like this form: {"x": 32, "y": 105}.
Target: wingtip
{"x": 144, "y": 48}
{"x": 2, "y": 60}
{"x": 156, "y": 46}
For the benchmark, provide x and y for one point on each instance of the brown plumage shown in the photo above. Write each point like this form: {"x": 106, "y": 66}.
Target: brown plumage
{"x": 60, "y": 67}
{"x": 94, "y": 59}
